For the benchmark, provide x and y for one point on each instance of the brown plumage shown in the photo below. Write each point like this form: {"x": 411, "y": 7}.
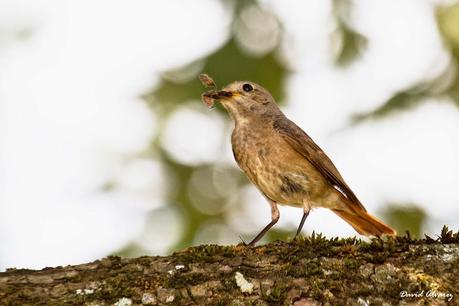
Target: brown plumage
{"x": 285, "y": 163}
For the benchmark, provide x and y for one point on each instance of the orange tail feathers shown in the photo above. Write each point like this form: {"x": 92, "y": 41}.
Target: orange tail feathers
{"x": 364, "y": 223}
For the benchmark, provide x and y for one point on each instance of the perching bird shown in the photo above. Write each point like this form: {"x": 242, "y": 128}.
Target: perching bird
{"x": 284, "y": 162}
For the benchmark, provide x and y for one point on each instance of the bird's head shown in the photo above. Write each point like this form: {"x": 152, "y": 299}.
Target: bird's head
{"x": 244, "y": 100}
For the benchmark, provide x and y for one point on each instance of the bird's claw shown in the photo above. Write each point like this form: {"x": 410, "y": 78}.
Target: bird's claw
{"x": 250, "y": 244}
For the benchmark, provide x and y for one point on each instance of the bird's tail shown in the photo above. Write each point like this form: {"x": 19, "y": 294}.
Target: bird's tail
{"x": 364, "y": 223}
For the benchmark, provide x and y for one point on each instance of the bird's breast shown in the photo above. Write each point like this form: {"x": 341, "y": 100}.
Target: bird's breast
{"x": 274, "y": 167}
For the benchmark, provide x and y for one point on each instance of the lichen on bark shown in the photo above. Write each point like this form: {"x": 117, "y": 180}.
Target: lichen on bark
{"x": 305, "y": 271}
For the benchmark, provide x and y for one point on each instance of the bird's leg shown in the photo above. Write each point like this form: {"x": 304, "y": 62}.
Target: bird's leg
{"x": 300, "y": 227}
{"x": 274, "y": 218}
{"x": 306, "y": 209}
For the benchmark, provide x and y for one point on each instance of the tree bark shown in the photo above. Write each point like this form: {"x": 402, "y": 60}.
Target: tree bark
{"x": 305, "y": 271}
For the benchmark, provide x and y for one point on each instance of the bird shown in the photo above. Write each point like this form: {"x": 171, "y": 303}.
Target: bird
{"x": 283, "y": 162}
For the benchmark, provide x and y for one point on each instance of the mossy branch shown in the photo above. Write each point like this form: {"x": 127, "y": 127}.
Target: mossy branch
{"x": 306, "y": 271}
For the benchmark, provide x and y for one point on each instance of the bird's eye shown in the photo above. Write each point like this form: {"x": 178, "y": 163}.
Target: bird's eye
{"x": 247, "y": 87}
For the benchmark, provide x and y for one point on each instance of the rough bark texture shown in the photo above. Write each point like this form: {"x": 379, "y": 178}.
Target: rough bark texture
{"x": 305, "y": 271}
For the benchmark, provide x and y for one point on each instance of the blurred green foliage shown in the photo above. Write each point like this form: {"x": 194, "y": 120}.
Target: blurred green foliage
{"x": 406, "y": 216}
{"x": 349, "y": 43}
{"x": 445, "y": 85}
{"x": 448, "y": 23}
{"x": 231, "y": 62}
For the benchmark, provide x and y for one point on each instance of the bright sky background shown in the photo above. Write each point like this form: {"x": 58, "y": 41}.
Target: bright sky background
{"x": 71, "y": 119}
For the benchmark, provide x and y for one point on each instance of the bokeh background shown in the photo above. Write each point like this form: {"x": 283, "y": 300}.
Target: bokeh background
{"x": 105, "y": 147}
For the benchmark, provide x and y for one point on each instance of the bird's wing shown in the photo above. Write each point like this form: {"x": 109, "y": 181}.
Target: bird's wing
{"x": 303, "y": 144}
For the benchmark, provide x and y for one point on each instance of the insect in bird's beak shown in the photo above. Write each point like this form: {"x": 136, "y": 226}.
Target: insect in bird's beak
{"x": 207, "y": 81}
{"x": 210, "y": 96}
{"x": 221, "y": 94}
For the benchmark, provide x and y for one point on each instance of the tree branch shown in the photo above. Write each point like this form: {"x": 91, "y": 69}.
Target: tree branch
{"x": 305, "y": 271}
